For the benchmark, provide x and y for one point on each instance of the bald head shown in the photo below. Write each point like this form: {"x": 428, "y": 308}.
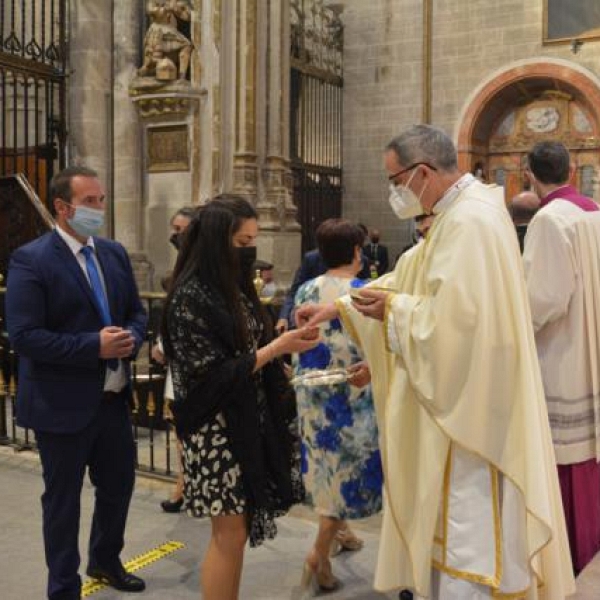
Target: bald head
{"x": 523, "y": 206}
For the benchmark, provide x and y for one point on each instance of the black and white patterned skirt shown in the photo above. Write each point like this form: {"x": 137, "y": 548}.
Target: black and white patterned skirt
{"x": 213, "y": 478}
{"x": 213, "y": 483}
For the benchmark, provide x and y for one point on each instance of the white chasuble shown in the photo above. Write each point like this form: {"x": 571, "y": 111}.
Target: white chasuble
{"x": 455, "y": 372}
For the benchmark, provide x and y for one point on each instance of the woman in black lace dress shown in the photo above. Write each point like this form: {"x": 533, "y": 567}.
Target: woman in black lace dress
{"x": 232, "y": 412}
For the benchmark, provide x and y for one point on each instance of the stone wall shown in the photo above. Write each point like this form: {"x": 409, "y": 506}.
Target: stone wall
{"x": 382, "y": 93}
{"x": 473, "y": 41}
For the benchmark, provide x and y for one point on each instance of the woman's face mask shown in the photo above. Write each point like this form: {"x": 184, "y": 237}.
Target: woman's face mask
{"x": 404, "y": 202}
{"x": 247, "y": 258}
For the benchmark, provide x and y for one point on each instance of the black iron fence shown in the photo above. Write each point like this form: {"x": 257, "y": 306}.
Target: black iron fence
{"x": 316, "y": 93}
{"x": 153, "y": 432}
{"x": 33, "y": 54}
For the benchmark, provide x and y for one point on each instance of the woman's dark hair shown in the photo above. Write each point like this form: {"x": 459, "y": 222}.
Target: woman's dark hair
{"x": 337, "y": 240}
{"x": 207, "y": 253}
{"x": 186, "y": 212}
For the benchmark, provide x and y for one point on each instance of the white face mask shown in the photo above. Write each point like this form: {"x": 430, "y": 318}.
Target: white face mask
{"x": 404, "y": 202}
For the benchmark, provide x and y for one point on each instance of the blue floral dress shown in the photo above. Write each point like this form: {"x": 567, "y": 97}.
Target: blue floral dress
{"x": 341, "y": 465}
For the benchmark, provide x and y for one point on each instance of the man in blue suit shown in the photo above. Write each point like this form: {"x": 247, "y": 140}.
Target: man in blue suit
{"x": 75, "y": 318}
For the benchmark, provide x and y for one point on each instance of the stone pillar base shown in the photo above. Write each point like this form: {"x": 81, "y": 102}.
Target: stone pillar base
{"x": 143, "y": 271}
{"x": 169, "y": 138}
{"x": 282, "y": 249}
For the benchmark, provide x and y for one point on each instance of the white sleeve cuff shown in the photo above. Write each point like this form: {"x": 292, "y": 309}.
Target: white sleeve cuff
{"x": 392, "y": 333}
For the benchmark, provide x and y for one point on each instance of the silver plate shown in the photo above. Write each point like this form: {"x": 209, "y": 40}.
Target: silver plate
{"x": 321, "y": 377}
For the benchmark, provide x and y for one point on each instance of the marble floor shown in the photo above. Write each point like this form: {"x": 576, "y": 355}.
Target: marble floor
{"x": 271, "y": 572}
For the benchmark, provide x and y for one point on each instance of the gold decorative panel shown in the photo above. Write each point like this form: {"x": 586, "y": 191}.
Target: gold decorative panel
{"x": 168, "y": 148}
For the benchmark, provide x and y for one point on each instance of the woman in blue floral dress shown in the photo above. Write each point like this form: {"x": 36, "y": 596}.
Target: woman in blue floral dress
{"x": 340, "y": 456}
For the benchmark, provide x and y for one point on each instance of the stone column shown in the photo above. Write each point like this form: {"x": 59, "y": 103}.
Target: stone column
{"x": 279, "y": 206}
{"x": 281, "y": 241}
{"x": 127, "y": 193}
{"x": 207, "y": 39}
{"x": 90, "y": 95}
{"x": 103, "y": 130}
{"x": 245, "y": 168}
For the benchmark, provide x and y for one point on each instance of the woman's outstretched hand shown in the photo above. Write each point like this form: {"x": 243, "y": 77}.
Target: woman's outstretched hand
{"x": 297, "y": 341}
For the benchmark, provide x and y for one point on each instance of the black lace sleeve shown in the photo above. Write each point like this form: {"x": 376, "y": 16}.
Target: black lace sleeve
{"x": 208, "y": 375}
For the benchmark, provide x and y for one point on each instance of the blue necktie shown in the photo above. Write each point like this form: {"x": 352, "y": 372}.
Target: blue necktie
{"x": 98, "y": 290}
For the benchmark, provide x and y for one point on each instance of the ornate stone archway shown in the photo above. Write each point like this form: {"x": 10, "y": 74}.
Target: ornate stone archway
{"x": 525, "y": 103}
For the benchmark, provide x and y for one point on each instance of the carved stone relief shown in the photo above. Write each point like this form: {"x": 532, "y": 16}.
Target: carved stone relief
{"x": 168, "y": 148}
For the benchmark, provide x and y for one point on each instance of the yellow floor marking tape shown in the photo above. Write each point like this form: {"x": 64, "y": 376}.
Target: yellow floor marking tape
{"x": 91, "y": 586}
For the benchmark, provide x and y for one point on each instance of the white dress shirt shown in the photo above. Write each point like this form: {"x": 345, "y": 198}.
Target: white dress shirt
{"x": 114, "y": 381}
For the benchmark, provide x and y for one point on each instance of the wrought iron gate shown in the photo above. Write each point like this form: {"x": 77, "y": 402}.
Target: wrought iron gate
{"x": 316, "y": 114}
{"x": 32, "y": 89}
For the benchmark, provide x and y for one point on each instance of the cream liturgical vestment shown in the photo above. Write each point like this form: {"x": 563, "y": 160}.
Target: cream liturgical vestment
{"x": 562, "y": 263}
{"x": 472, "y": 503}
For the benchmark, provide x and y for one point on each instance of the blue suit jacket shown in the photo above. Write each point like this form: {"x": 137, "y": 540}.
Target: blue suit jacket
{"x": 54, "y": 325}
{"x": 312, "y": 266}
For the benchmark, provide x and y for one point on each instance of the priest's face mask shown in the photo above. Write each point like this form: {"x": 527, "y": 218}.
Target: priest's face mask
{"x": 405, "y": 203}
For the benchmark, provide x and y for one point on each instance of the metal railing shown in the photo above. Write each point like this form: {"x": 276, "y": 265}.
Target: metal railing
{"x": 153, "y": 433}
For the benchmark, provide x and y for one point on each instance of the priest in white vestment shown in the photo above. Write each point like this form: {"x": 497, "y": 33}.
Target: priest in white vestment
{"x": 562, "y": 269}
{"x": 472, "y": 502}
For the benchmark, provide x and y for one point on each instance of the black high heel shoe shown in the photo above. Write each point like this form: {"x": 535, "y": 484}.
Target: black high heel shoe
{"x": 172, "y": 506}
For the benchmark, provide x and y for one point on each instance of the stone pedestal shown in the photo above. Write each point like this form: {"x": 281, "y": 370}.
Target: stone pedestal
{"x": 168, "y": 139}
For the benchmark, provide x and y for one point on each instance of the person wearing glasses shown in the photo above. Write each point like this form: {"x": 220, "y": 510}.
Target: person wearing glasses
{"x": 472, "y": 507}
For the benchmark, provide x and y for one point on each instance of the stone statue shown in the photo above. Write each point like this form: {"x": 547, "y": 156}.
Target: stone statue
{"x": 166, "y": 50}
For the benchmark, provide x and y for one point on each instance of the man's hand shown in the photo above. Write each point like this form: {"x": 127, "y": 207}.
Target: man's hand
{"x": 116, "y": 342}
{"x": 310, "y": 315}
{"x": 376, "y": 307}
{"x": 281, "y": 326}
{"x": 360, "y": 375}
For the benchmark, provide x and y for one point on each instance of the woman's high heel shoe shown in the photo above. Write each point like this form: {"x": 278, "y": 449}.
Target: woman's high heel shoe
{"x": 345, "y": 540}
{"x": 172, "y": 506}
{"x": 318, "y": 580}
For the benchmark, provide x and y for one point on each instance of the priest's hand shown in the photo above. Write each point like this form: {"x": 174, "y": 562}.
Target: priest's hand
{"x": 313, "y": 314}
{"x": 372, "y": 304}
{"x": 359, "y": 374}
